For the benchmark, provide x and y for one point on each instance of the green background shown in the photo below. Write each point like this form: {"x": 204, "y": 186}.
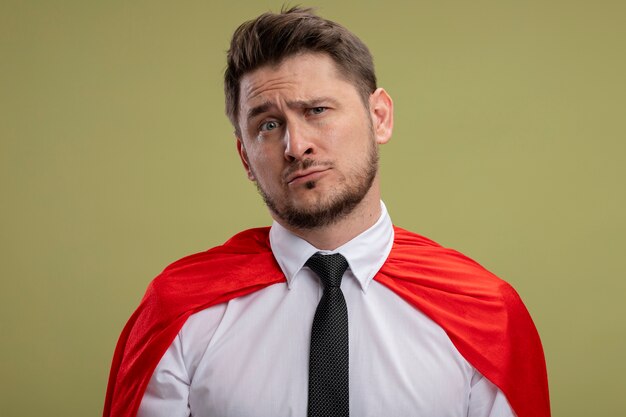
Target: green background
{"x": 116, "y": 159}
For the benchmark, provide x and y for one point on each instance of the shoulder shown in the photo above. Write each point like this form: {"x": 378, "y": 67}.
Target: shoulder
{"x": 240, "y": 266}
{"x": 418, "y": 259}
{"x": 449, "y": 287}
{"x": 242, "y": 261}
{"x": 416, "y": 249}
{"x": 408, "y": 238}
{"x": 245, "y": 243}
{"x": 482, "y": 314}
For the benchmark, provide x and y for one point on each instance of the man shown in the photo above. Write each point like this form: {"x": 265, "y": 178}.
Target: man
{"x": 333, "y": 311}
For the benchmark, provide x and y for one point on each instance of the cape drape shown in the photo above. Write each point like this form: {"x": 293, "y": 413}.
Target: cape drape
{"x": 483, "y": 315}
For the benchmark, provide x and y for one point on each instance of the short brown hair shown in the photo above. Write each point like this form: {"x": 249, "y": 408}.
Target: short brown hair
{"x": 272, "y": 37}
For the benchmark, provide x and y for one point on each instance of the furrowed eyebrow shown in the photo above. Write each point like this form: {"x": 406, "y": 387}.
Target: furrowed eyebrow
{"x": 294, "y": 104}
{"x": 261, "y": 108}
{"x": 316, "y": 102}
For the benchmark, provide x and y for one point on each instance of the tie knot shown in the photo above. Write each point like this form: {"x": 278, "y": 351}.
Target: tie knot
{"x": 329, "y": 268}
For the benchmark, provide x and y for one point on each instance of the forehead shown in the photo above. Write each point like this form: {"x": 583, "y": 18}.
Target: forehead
{"x": 298, "y": 77}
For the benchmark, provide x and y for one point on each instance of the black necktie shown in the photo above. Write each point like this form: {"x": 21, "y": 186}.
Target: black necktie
{"x": 328, "y": 360}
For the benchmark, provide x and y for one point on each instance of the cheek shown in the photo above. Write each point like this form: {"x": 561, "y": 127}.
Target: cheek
{"x": 264, "y": 165}
{"x": 350, "y": 140}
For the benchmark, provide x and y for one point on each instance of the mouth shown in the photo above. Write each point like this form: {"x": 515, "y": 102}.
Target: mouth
{"x": 306, "y": 175}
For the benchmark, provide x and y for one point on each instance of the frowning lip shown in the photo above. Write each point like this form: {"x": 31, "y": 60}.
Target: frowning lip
{"x": 306, "y": 174}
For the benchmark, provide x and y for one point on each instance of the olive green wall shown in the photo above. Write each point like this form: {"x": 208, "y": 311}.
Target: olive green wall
{"x": 116, "y": 159}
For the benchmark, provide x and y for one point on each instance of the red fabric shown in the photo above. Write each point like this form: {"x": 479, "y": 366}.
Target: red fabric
{"x": 483, "y": 315}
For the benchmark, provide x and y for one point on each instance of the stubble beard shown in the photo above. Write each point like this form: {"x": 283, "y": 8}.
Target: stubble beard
{"x": 331, "y": 210}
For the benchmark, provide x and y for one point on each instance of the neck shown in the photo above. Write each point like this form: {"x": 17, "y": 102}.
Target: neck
{"x": 330, "y": 237}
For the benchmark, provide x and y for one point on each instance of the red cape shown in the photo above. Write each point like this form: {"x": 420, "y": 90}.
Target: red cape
{"x": 483, "y": 315}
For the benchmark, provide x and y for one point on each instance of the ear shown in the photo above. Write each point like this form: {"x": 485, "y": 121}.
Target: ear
{"x": 244, "y": 159}
{"x": 381, "y": 111}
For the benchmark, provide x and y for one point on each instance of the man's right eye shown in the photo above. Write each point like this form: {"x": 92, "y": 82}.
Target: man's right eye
{"x": 267, "y": 126}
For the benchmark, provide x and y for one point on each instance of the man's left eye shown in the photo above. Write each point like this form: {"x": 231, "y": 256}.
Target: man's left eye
{"x": 318, "y": 110}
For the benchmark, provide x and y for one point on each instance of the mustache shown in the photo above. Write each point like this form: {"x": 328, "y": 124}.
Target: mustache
{"x": 302, "y": 165}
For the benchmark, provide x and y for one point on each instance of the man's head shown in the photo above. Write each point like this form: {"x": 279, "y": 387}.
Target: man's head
{"x": 270, "y": 38}
{"x": 308, "y": 125}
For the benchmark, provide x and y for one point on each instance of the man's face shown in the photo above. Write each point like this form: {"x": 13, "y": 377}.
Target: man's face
{"x": 307, "y": 140}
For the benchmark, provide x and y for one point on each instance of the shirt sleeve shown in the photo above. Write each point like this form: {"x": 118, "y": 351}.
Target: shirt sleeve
{"x": 167, "y": 394}
{"x": 486, "y": 400}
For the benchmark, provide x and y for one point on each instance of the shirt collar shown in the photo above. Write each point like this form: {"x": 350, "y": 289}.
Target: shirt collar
{"x": 366, "y": 253}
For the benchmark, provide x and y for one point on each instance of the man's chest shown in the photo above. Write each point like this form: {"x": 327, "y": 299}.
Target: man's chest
{"x": 256, "y": 361}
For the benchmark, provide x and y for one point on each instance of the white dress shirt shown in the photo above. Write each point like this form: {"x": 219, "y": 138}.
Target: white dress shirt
{"x": 249, "y": 357}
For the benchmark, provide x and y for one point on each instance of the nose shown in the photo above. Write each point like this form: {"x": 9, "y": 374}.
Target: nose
{"x": 298, "y": 144}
